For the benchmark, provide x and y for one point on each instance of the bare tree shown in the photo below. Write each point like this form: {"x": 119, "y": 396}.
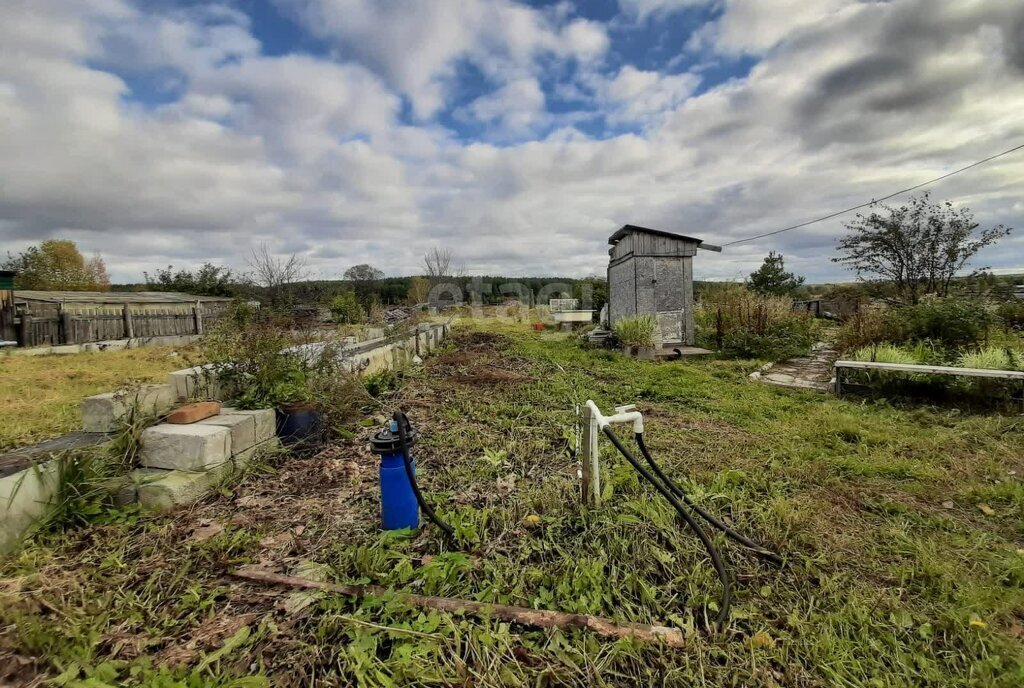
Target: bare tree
{"x": 918, "y": 247}
{"x": 437, "y": 262}
{"x": 274, "y": 273}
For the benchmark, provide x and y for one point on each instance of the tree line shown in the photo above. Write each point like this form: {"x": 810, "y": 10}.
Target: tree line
{"x": 902, "y": 253}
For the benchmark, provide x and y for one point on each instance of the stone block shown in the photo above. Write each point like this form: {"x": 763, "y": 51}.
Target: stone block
{"x": 264, "y": 421}
{"x": 195, "y": 447}
{"x": 193, "y": 413}
{"x": 162, "y": 490}
{"x": 103, "y": 412}
{"x": 243, "y": 434}
{"x": 25, "y": 498}
{"x": 199, "y": 382}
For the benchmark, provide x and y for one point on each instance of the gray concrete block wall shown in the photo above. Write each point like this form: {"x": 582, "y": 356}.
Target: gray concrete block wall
{"x": 104, "y": 412}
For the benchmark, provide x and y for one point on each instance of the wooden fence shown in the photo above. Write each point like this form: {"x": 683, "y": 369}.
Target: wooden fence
{"x": 833, "y": 309}
{"x": 46, "y": 324}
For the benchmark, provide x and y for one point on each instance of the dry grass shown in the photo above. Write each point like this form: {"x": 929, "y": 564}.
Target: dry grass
{"x": 40, "y": 395}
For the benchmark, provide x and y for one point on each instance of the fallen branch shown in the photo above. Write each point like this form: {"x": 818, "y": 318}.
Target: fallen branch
{"x": 538, "y": 618}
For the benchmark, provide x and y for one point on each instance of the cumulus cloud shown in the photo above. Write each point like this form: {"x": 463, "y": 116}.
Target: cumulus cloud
{"x": 317, "y": 153}
{"x": 418, "y": 46}
{"x": 636, "y": 95}
{"x": 515, "y": 108}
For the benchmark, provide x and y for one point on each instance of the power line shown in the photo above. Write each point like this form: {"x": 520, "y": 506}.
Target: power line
{"x": 877, "y": 200}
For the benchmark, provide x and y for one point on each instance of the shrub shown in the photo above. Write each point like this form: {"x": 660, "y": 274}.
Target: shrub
{"x": 345, "y": 308}
{"x": 1011, "y": 315}
{"x": 266, "y": 363}
{"x": 867, "y": 326}
{"x": 748, "y": 325}
{"x": 637, "y": 331}
{"x": 952, "y": 322}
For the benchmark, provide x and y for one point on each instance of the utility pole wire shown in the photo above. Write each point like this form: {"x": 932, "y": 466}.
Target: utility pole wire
{"x": 877, "y": 200}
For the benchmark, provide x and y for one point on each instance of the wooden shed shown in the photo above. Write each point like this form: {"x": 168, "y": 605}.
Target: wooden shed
{"x": 650, "y": 271}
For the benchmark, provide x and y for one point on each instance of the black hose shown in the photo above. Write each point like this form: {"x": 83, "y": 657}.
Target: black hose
{"x": 716, "y": 558}
{"x": 755, "y": 548}
{"x": 403, "y": 423}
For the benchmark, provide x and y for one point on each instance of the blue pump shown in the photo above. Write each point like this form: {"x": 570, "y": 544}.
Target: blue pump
{"x": 398, "y": 506}
{"x": 400, "y": 496}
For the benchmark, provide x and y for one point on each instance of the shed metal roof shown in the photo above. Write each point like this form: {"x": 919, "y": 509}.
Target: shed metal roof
{"x": 111, "y": 296}
{"x": 629, "y": 229}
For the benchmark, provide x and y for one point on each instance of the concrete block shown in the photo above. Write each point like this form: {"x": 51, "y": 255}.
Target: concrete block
{"x": 199, "y": 382}
{"x": 122, "y": 490}
{"x": 243, "y": 434}
{"x": 162, "y": 490}
{"x": 264, "y": 421}
{"x": 195, "y": 447}
{"x": 103, "y": 412}
{"x": 66, "y": 349}
{"x": 25, "y": 497}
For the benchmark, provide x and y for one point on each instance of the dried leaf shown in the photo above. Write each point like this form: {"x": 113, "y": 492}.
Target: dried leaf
{"x": 205, "y": 532}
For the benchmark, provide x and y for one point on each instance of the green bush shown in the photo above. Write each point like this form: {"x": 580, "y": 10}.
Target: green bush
{"x": 1011, "y": 315}
{"x": 748, "y": 325}
{"x": 952, "y": 322}
{"x": 638, "y": 331}
{"x": 345, "y": 308}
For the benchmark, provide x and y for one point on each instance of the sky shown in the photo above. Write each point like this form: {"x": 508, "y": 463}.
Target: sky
{"x": 517, "y": 135}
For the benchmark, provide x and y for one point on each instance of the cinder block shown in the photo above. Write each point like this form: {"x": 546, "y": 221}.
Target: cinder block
{"x": 200, "y": 382}
{"x": 195, "y": 447}
{"x": 264, "y": 421}
{"x": 243, "y": 434}
{"x": 162, "y": 490}
{"x": 103, "y": 412}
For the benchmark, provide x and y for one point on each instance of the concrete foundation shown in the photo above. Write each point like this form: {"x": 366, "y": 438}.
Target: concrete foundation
{"x": 108, "y": 345}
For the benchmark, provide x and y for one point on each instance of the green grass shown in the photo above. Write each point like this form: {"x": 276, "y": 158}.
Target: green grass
{"x": 40, "y": 395}
{"x": 894, "y": 576}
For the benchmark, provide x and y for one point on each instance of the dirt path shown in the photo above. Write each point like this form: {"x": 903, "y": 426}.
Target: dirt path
{"x": 813, "y": 371}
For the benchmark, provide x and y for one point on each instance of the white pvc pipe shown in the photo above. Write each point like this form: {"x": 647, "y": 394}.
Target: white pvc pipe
{"x": 598, "y": 422}
{"x": 621, "y": 416}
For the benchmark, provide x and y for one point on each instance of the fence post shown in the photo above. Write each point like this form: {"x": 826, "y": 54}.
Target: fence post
{"x": 129, "y": 326}
{"x": 590, "y": 483}
{"x": 62, "y": 325}
{"x": 198, "y": 310}
{"x": 25, "y": 330}
{"x": 719, "y": 334}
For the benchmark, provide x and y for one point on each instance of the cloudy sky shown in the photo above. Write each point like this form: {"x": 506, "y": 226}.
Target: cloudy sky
{"x": 520, "y": 135}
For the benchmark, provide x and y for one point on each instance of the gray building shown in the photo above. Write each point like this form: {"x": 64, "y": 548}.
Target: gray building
{"x": 650, "y": 271}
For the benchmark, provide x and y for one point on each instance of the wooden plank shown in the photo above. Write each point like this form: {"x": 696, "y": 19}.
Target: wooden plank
{"x": 932, "y": 370}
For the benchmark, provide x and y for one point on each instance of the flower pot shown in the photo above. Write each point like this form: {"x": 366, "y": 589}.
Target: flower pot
{"x": 298, "y": 425}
